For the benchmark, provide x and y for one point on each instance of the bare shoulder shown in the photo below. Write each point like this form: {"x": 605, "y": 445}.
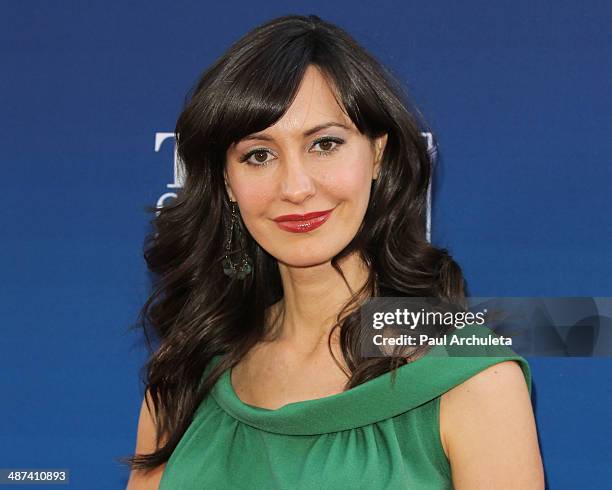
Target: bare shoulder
{"x": 146, "y": 444}
{"x": 488, "y": 431}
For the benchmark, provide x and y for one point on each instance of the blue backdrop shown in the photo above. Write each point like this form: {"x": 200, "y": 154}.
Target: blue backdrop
{"x": 518, "y": 94}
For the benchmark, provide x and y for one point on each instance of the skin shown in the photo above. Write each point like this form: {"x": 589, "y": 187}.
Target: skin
{"x": 489, "y": 433}
{"x": 487, "y": 428}
{"x": 298, "y": 178}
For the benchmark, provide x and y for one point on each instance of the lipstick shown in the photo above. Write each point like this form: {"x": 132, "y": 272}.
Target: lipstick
{"x": 302, "y": 223}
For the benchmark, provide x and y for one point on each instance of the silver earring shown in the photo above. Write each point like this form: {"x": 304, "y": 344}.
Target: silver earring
{"x": 233, "y": 232}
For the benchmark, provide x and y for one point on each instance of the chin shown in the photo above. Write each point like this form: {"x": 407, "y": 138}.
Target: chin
{"x": 304, "y": 261}
{"x": 306, "y": 256}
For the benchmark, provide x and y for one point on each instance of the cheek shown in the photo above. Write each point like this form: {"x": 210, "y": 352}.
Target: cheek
{"x": 254, "y": 200}
{"x": 253, "y": 193}
{"x": 351, "y": 178}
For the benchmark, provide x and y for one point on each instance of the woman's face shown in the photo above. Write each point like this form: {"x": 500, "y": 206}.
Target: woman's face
{"x": 312, "y": 160}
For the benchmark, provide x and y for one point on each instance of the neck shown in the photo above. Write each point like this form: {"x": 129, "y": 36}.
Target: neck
{"x": 313, "y": 297}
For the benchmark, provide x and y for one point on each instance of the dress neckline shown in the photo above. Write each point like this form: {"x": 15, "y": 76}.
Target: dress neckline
{"x": 416, "y": 383}
{"x": 231, "y": 388}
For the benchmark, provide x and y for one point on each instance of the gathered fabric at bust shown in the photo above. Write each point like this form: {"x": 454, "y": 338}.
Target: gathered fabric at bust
{"x": 376, "y": 435}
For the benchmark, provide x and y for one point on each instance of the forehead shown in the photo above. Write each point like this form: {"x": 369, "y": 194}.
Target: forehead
{"x": 314, "y": 104}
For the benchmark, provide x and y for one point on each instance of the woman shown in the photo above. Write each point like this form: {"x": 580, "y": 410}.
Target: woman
{"x": 305, "y": 194}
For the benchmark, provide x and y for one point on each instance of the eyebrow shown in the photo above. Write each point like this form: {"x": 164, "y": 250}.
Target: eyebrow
{"x": 265, "y": 137}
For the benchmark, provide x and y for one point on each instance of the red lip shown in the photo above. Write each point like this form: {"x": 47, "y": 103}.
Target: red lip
{"x": 302, "y": 223}
{"x": 301, "y": 217}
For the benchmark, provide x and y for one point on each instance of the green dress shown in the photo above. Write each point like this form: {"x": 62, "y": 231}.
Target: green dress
{"x": 373, "y": 436}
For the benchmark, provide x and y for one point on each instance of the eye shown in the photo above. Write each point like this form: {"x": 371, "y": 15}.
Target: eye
{"x": 259, "y": 155}
{"x": 327, "y": 145}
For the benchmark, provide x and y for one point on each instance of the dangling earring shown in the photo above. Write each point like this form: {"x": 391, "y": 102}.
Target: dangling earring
{"x": 243, "y": 266}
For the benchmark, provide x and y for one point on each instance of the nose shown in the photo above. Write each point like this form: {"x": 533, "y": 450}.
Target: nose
{"x": 297, "y": 184}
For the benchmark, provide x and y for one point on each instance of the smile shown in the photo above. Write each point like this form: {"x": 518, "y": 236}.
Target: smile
{"x": 302, "y": 223}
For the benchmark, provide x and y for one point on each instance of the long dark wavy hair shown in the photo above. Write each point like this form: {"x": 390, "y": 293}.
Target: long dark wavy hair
{"x": 195, "y": 311}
